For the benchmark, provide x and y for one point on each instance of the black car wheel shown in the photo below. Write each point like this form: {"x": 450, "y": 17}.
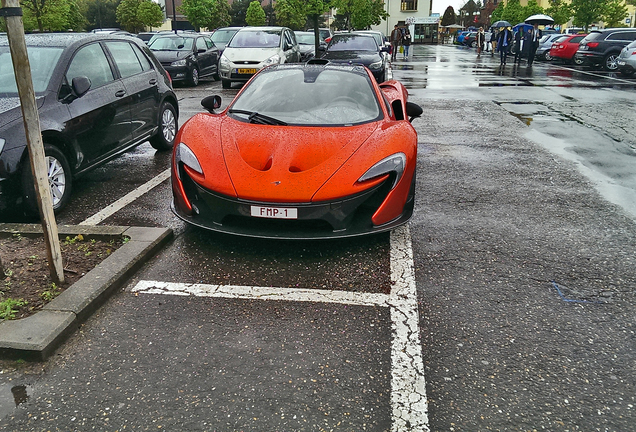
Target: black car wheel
{"x": 164, "y": 138}
{"x": 226, "y": 84}
{"x": 577, "y": 61}
{"x": 610, "y": 62}
{"x": 547, "y": 56}
{"x": 58, "y": 175}
{"x": 473, "y": 44}
{"x": 193, "y": 78}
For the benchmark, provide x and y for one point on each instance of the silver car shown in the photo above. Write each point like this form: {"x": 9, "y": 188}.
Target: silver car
{"x": 254, "y": 48}
{"x": 627, "y": 60}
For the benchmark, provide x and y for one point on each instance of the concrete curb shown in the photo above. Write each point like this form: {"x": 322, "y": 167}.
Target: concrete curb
{"x": 37, "y": 336}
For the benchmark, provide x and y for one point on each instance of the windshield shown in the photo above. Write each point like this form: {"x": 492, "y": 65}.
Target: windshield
{"x": 306, "y": 38}
{"x": 310, "y": 96}
{"x": 256, "y": 39}
{"x": 173, "y": 43}
{"x": 222, "y": 36}
{"x": 353, "y": 43}
{"x": 42, "y": 61}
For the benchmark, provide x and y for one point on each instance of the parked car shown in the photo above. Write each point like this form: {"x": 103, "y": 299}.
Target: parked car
{"x": 253, "y": 48}
{"x": 565, "y": 49}
{"x": 460, "y": 36}
{"x": 362, "y": 49}
{"x": 146, "y": 36}
{"x": 307, "y": 43}
{"x": 627, "y": 60}
{"x": 573, "y": 30}
{"x": 222, "y": 36}
{"x": 470, "y": 40}
{"x": 545, "y": 45}
{"x": 98, "y": 95}
{"x": 324, "y": 33}
{"x": 602, "y": 47}
{"x": 186, "y": 57}
{"x": 332, "y": 155}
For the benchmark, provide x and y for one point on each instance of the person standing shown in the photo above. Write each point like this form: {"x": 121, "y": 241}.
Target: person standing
{"x": 493, "y": 40}
{"x": 518, "y": 37}
{"x": 481, "y": 40}
{"x": 503, "y": 43}
{"x": 396, "y": 38}
{"x": 533, "y": 37}
{"x": 406, "y": 42}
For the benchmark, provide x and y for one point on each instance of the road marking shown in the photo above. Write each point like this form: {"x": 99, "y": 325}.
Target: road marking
{"x": 408, "y": 386}
{"x": 126, "y": 199}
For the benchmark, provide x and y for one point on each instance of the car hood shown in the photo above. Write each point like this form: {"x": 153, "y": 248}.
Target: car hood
{"x": 10, "y": 109}
{"x": 365, "y": 58}
{"x": 287, "y": 163}
{"x": 249, "y": 54}
{"x": 170, "y": 56}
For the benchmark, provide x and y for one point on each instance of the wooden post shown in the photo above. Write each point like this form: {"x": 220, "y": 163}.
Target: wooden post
{"x": 17, "y": 44}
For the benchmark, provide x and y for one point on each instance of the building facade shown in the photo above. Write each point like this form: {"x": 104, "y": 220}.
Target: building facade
{"x": 414, "y": 14}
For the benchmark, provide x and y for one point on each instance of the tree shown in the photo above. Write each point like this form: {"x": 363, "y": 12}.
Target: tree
{"x": 221, "y": 15}
{"x": 615, "y": 13}
{"x": 560, "y": 11}
{"x": 198, "y": 12}
{"x": 291, "y": 13}
{"x": 45, "y": 15}
{"x": 514, "y": 13}
{"x": 586, "y": 12}
{"x": 255, "y": 15}
{"x": 101, "y": 13}
{"x": 497, "y": 14}
{"x": 532, "y": 8}
{"x": 449, "y": 17}
{"x": 238, "y": 10}
{"x": 134, "y": 15}
{"x": 360, "y": 14}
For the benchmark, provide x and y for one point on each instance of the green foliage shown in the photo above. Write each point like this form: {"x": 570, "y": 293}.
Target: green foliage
{"x": 51, "y": 293}
{"x": 221, "y": 15}
{"x": 615, "y": 13}
{"x": 514, "y": 13}
{"x": 560, "y": 11}
{"x": 291, "y": 13}
{"x": 449, "y": 17}
{"x": 255, "y": 15}
{"x": 360, "y": 14}
{"x": 101, "y": 14}
{"x": 497, "y": 14}
{"x": 134, "y": 17}
{"x": 46, "y": 15}
{"x": 198, "y": 12}
{"x": 8, "y": 307}
{"x": 238, "y": 10}
{"x": 587, "y": 12}
{"x": 532, "y": 8}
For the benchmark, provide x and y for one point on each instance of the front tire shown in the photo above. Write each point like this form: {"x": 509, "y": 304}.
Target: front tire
{"x": 193, "y": 79}
{"x": 59, "y": 178}
{"x": 164, "y": 138}
{"x": 547, "y": 56}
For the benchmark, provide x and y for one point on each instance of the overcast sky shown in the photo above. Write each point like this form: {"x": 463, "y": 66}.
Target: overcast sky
{"x": 439, "y": 6}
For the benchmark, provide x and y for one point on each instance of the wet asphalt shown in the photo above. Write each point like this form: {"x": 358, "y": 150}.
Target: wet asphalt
{"x": 523, "y": 242}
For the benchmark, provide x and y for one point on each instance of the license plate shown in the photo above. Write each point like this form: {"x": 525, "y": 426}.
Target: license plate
{"x": 274, "y": 212}
{"x": 247, "y": 71}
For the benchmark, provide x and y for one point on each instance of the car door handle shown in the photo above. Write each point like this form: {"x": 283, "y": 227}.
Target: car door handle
{"x": 152, "y": 81}
{"x": 120, "y": 93}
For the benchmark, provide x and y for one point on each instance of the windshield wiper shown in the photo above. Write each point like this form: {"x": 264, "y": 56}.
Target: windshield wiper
{"x": 255, "y": 117}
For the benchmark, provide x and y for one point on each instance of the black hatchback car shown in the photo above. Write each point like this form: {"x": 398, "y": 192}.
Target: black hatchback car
{"x": 186, "y": 57}
{"x": 98, "y": 95}
{"x": 352, "y": 48}
{"x": 602, "y": 47}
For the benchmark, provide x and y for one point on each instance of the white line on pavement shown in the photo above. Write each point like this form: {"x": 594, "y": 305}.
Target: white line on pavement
{"x": 126, "y": 199}
{"x": 408, "y": 386}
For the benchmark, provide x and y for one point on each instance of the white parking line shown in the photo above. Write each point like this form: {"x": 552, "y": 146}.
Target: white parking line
{"x": 408, "y": 387}
{"x": 126, "y": 199}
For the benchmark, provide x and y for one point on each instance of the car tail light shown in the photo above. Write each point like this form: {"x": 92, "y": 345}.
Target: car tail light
{"x": 592, "y": 44}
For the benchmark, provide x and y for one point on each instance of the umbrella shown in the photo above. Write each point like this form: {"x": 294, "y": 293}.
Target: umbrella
{"x": 501, "y": 24}
{"x": 540, "y": 19}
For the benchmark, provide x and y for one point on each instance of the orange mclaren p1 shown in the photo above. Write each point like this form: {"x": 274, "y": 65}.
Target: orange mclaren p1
{"x": 303, "y": 151}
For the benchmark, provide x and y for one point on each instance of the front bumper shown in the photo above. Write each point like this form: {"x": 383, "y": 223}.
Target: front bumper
{"x": 625, "y": 66}
{"x": 346, "y": 217}
{"x": 177, "y": 73}
{"x": 232, "y": 73}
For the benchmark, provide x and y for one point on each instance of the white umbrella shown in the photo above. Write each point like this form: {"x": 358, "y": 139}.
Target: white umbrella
{"x": 540, "y": 19}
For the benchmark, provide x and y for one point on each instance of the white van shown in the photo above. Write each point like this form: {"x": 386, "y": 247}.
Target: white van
{"x": 573, "y": 30}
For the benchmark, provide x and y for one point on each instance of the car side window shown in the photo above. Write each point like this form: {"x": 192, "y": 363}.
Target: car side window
{"x": 90, "y": 61}
{"x": 576, "y": 39}
{"x": 143, "y": 60}
{"x": 208, "y": 42}
{"x": 201, "y": 44}
{"x": 288, "y": 42}
{"x": 125, "y": 58}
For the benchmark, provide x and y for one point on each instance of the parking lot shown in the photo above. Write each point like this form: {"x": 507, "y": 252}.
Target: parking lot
{"x": 505, "y": 304}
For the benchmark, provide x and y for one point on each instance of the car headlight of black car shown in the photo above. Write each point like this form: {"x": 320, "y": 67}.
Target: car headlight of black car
{"x": 184, "y": 155}
{"x": 376, "y": 65}
{"x": 178, "y": 63}
{"x": 393, "y": 164}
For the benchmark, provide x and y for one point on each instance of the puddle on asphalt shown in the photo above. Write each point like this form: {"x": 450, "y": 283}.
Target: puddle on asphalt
{"x": 11, "y": 397}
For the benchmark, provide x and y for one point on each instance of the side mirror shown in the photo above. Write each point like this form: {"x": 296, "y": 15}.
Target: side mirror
{"x": 211, "y": 103}
{"x": 80, "y": 85}
{"x": 413, "y": 110}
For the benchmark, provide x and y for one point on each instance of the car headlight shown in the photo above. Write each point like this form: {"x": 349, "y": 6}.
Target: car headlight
{"x": 275, "y": 59}
{"x": 225, "y": 62}
{"x": 186, "y": 156}
{"x": 391, "y": 164}
{"x": 181, "y": 62}
{"x": 376, "y": 65}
